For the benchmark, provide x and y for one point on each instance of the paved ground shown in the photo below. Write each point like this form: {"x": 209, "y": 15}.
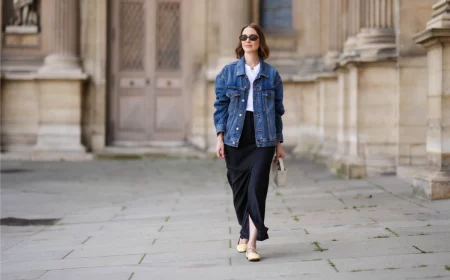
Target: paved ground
{"x": 174, "y": 219}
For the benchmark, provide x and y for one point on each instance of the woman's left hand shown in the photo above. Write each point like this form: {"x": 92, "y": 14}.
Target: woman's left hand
{"x": 279, "y": 153}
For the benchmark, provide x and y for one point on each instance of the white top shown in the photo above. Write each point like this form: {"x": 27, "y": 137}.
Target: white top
{"x": 251, "y": 74}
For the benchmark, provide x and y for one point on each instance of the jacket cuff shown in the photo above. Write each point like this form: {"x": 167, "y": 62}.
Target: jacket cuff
{"x": 220, "y": 128}
{"x": 280, "y": 137}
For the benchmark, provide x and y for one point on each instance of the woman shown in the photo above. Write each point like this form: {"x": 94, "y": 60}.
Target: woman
{"x": 249, "y": 106}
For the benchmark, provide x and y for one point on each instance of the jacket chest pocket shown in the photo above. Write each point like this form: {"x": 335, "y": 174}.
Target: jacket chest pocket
{"x": 269, "y": 100}
{"x": 234, "y": 96}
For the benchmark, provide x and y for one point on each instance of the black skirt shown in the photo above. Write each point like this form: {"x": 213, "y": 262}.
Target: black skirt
{"x": 248, "y": 168}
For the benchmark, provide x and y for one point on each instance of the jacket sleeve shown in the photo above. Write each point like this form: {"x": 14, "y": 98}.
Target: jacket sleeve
{"x": 279, "y": 108}
{"x": 221, "y": 103}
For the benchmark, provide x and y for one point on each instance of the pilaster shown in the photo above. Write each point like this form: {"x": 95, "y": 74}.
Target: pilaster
{"x": 434, "y": 183}
{"x": 60, "y": 84}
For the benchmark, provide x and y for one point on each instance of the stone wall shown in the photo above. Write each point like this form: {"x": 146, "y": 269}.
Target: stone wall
{"x": 19, "y": 114}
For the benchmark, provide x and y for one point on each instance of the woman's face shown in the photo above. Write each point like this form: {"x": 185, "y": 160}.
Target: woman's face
{"x": 248, "y": 45}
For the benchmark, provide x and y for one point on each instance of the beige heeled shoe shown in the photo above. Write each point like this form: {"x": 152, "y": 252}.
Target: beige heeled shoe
{"x": 241, "y": 248}
{"x": 253, "y": 257}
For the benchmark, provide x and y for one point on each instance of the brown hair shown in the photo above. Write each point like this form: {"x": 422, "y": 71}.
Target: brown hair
{"x": 263, "y": 50}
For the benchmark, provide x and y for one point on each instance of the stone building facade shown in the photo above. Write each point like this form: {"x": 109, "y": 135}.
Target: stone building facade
{"x": 367, "y": 82}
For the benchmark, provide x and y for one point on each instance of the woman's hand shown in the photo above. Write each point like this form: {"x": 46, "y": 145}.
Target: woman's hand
{"x": 279, "y": 153}
{"x": 220, "y": 152}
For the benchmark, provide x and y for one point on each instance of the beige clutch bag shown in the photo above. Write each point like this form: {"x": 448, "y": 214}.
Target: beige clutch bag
{"x": 279, "y": 173}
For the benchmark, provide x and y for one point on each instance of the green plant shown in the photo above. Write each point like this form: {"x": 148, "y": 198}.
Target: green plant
{"x": 381, "y": 236}
{"x": 318, "y": 248}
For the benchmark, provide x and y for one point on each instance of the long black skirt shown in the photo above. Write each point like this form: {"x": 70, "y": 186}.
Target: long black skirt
{"x": 248, "y": 168}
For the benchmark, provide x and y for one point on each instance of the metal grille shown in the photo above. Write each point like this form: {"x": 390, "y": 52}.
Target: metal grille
{"x": 276, "y": 14}
{"x": 131, "y": 36}
{"x": 168, "y": 36}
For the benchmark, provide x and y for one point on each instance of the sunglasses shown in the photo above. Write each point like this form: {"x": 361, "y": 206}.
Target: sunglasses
{"x": 252, "y": 37}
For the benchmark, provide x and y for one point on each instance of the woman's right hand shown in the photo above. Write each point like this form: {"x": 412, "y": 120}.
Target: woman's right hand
{"x": 220, "y": 152}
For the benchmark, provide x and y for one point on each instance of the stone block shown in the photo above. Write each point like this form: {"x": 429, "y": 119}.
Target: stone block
{"x": 413, "y": 135}
{"x": 19, "y": 114}
{"x": 432, "y": 185}
{"x": 60, "y": 115}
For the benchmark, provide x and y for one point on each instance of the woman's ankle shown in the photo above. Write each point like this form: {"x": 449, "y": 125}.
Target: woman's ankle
{"x": 243, "y": 240}
{"x": 251, "y": 244}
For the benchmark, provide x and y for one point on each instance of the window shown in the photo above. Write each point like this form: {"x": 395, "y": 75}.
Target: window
{"x": 276, "y": 15}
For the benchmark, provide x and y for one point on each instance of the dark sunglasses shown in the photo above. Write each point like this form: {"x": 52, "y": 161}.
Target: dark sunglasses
{"x": 252, "y": 37}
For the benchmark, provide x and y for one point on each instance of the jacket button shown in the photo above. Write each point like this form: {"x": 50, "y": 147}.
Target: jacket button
{"x": 234, "y": 143}
{"x": 240, "y": 115}
{"x": 237, "y": 128}
{"x": 243, "y": 100}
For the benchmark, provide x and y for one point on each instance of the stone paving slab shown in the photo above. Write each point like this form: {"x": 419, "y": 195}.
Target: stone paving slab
{"x": 27, "y": 275}
{"x": 35, "y": 256}
{"x": 174, "y": 219}
{"x": 70, "y": 263}
{"x": 438, "y": 260}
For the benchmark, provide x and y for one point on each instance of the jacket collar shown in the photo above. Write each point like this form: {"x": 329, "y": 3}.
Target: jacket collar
{"x": 240, "y": 68}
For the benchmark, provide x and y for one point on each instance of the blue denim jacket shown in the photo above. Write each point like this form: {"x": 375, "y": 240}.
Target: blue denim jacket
{"x": 232, "y": 88}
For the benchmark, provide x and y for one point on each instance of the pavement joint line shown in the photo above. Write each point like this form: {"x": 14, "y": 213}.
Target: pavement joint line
{"x": 68, "y": 254}
{"x": 131, "y": 276}
{"x": 229, "y": 230}
{"x": 401, "y": 197}
{"x": 339, "y": 198}
{"x": 230, "y": 261}
{"x": 86, "y": 240}
{"x": 375, "y": 221}
{"x": 306, "y": 231}
{"x": 161, "y": 228}
{"x": 289, "y": 209}
{"x": 230, "y": 244}
{"x": 142, "y": 258}
{"x": 12, "y": 245}
{"x": 390, "y": 230}
{"x": 42, "y": 274}
{"x": 154, "y": 240}
{"x": 42, "y": 230}
{"x": 101, "y": 227}
{"x": 167, "y": 219}
{"x": 423, "y": 252}
{"x": 333, "y": 265}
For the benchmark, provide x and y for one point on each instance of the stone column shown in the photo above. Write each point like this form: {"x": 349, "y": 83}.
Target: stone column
{"x": 234, "y": 14}
{"x": 435, "y": 182}
{"x": 336, "y": 29}
{"x": 309, "y": 46}
{"x": 376, "y": 38}
{"x": 353, "y": 23}
{"x": 60, "y": 82}
{"x": 65, "y": 40}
